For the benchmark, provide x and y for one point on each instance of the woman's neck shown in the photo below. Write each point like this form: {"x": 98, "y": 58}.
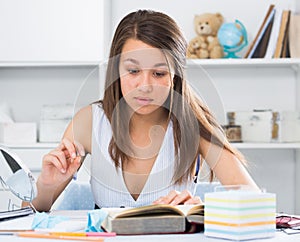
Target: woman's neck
{"x": 140, "y": 122}
{"x": 147, "y": 133}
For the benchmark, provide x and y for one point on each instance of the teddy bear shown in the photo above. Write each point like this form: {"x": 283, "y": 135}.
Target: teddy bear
{"x": 206, "y": 26}
{"x": 197, "y": 48}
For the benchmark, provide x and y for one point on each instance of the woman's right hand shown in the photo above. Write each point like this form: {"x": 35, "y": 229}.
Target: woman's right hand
{"x": 60, "y": 164}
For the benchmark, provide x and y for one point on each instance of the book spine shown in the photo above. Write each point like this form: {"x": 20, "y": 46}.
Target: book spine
{"x": 282, "y": 33}
{"x": 271, "y": 7}
{"x": 262, "y": 33}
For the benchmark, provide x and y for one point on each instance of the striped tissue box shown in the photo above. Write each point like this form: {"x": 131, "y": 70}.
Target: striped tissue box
{"x": 240, "y": 215}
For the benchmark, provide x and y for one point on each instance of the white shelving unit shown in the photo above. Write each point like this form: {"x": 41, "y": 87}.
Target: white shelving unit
{"x": 246, "y": 63}
{"x": 26, "y": 86}
{"x": 261, "y": 154}
{"x": 247, "y": 84}
{"x": 267, "y": 145}
{"x": 34, "y": 64}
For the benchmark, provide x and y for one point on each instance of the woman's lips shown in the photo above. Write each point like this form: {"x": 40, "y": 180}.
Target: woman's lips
{"x": 143, "y": 100}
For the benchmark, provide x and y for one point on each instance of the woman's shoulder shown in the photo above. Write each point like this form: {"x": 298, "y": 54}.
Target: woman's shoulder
{"x": 84, "y": 111}
{"x": 87, "y": 111}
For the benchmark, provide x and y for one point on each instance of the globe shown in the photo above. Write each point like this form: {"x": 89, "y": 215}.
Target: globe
{"x": 233, "y": 38}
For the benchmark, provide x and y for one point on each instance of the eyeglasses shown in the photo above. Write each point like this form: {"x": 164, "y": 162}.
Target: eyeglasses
{"x": 288, "y": 224}
{"x": 287, "y": 221}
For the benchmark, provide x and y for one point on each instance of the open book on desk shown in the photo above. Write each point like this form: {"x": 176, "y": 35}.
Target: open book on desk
{"x": 152, "y": 219}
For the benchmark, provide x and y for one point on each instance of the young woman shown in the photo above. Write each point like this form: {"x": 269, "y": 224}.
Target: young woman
{"x": 147, "y": 133}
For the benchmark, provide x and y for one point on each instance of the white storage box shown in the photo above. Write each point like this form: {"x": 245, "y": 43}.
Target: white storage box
{"x": 289, "y": 129}
{"x": 54, "y": 120}
{"x": 52, "y": 130}
{"x": 57, "y": 112}
{"x": 18, "y": 133}
{"x": 256, "y": 126}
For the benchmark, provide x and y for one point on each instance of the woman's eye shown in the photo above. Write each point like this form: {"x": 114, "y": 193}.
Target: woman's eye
{"x": 159, "y": 73}
{"x": 133, "y": 71}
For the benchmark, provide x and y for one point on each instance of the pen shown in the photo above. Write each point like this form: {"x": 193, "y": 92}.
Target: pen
{"x": 13, "y": 231}
{"x": 89, "y": 234}
{"x": 77, "y": 155}
{"x": 7, "y": 233}
{"x": 75, "y": 176}
{"x": 61, "y": 237}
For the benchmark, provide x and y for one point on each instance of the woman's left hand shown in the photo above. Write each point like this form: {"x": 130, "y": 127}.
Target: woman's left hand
{"x": 175, "y": 198}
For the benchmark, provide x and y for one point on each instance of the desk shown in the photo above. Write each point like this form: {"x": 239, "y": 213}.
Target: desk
{"x": 280, "y": 237}
{"x": 80, "y": 216}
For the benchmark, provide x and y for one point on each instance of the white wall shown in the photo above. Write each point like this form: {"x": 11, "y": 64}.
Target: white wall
{"x": 56, "y": 30}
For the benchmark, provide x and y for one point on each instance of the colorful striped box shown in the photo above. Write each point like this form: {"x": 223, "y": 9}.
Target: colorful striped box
{"x": 240, "y": 215}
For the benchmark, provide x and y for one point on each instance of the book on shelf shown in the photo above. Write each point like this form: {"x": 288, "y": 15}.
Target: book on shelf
{"x": 274, "y": 34}
{"x": 155, "y": 219}
{"x": 282, "y": 49}
{"x": 258, "y": 46}
{"x": 294, "y": 35}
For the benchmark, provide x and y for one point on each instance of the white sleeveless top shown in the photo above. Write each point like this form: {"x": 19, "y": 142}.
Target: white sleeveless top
{"x": 108, "y": 186}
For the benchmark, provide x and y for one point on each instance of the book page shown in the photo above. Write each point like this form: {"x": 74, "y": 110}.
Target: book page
{"x": 157, "y": 209}
{"x": 114, "y": 212}
{"x": 193, "y": 213}
{"x": 191, "y": 209}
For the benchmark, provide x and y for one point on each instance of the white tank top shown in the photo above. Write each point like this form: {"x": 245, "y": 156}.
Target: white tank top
{"x": 108, "y": 186}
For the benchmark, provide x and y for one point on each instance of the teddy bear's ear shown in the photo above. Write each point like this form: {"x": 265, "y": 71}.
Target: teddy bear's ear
{"x": 220, "y": 17}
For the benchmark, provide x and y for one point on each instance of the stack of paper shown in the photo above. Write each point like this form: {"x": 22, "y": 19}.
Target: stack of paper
{"x": 240, "y": 215}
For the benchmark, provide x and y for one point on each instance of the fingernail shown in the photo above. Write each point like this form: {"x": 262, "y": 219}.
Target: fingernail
{"x": 82, "y": 153}
{"x": 63, "y": 171}
{"x": 73, "y": 155}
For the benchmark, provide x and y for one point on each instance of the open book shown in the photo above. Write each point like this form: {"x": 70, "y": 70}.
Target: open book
{"x": 151, "y": 219}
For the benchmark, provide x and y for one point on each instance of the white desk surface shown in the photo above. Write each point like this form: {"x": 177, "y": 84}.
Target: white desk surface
{"x": 280, "y": 236}
{"x": 80, "y": 216}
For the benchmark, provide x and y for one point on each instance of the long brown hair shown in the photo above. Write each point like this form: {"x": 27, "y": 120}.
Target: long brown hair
{"x": 191, "y": 119}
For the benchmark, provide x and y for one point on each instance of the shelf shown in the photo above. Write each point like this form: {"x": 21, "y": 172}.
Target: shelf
{"x": 256, "y": 62}
{"x": 31, "y": 146}
{"x": 235, "y": 63}
{"x": 47, "y": 64}
{"x": 266, "y": 145}
{"x": 236, "y": 145}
